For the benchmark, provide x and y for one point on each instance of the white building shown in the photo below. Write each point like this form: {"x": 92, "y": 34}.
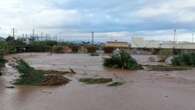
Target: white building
{"x": 139, "y": 42}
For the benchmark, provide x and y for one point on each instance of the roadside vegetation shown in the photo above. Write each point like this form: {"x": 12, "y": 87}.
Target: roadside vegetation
{"x": 115, "y": 84}
{"x": 184, "y": 59}
{"x": 11, "y": 45}
{"x": 121, "y": 60}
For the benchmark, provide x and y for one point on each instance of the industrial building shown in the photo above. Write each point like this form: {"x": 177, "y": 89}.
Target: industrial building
{"x": 110, "y": 46}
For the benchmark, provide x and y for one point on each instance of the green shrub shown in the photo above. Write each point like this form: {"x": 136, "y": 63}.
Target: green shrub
{"x": 115, "y": 84}
{"x": 95, "y": 80}
{"x": 28, "y": 75}
{"x": 122, "y": 60}
{"x": 185, "y": 59}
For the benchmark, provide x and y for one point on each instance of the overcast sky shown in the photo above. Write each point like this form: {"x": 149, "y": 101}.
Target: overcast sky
{"x": 109, "y": 19}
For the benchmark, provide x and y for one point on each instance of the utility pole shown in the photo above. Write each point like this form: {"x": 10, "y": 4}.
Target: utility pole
{"x": 33, "y": 32}
{"x": 41, "y": 34}
{"x": 26, "y": 35}
{"x": 174, "y": 41}
{"x": 92, "y": 38}
{"x": 13, "y": 32}
{"x": 175, "y": 31}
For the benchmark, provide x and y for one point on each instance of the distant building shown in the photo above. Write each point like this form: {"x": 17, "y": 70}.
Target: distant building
{"x": 110, "y": 46}
{"x": 116, "y": 44}
{"x": 138, "y": 42}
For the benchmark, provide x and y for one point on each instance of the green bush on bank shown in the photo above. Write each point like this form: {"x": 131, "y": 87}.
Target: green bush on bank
{"x": 184, "y": 59}
{"x": 122, "y": 60}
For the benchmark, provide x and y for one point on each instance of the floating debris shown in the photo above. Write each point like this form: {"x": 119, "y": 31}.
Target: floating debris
{"x": 10, "y": 87}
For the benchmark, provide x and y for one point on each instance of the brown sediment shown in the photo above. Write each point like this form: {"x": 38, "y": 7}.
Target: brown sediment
{"x": 95, "y": 80}
{"x": 55, "y": 80}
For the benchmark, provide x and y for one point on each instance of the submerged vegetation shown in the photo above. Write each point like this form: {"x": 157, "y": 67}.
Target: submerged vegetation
{"x": 122, "y": 60}
{"x": 30, "y": 76}
{"x": 166, "y": 68}
{"x": 95, "y": 80}
{"x": 184, "y": 59}
{"x": 115, "y": 84}
{"x": 109, "y": 81}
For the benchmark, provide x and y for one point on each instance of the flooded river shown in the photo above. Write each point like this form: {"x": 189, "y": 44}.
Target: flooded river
{"x": 142, "y": 90}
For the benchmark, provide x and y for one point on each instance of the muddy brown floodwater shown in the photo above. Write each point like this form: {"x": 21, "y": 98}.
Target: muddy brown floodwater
{"x": 143, "y": 90}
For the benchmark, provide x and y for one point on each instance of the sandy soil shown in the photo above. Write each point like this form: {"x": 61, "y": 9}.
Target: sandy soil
{"x": 143, "y": 90}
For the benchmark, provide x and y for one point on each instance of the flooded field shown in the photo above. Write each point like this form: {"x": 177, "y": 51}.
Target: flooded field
{"x": 142, "y": 89}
